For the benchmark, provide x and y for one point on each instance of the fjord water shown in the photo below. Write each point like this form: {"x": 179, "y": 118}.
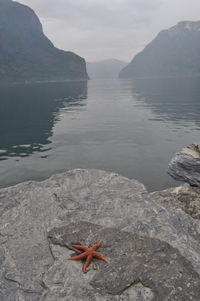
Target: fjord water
{"x": 129, "y": 127}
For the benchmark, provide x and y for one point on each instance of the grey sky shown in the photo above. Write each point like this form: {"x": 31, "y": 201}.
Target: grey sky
{"x": 101, "y": 29}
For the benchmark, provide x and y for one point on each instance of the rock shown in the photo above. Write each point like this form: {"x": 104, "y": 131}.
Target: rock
{"x": 131, "y": 259}
{"x": 185, "y": 197}
{"x": 185, "y": 165}
{"x": 38, "y": 218}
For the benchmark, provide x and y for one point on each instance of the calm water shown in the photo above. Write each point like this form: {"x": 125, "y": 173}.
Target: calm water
{"x": 132, "y": 128}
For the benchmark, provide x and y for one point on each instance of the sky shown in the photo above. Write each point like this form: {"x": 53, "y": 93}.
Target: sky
{"x": 103, "y": 29}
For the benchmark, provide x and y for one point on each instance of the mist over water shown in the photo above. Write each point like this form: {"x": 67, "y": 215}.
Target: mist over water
{"x": 129, "y": 127}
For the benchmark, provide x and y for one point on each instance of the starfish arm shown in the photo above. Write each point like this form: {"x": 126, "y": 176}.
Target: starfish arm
{"x": 87, "y": 263}
{"x": 82, "y": 248}
{"x": 97, "y": 245}
{"x": 79, "y": 257}
{"x": 99, "y": 256}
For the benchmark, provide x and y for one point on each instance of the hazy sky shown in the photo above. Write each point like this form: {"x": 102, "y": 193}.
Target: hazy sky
{"x": 101, "y": 29}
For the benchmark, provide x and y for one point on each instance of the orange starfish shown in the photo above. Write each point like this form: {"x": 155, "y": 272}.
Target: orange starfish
{"x": 88, "y": 254}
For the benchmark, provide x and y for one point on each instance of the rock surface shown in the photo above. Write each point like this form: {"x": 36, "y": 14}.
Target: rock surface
{"x": 131, "y": 259}
{"x": 185, "y": 165}
{"x": 185, "y": 197}
{"x": 153, "y": 252}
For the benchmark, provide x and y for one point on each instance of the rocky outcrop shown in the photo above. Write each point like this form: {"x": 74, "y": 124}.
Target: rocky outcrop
{"x": 175, "y": 52}
{"x": 185, "y": 197}
{"x": 132, "y": 259}
{"x": 27, "y": 54}
{"x": 185, "y": 165}
{"x": 153, "y": 252}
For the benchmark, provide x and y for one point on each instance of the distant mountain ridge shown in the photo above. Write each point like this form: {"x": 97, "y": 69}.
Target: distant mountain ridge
{"x": 109, "y": 68}
{"x": 27, "y": 54}
{"x": 174, "y": 52}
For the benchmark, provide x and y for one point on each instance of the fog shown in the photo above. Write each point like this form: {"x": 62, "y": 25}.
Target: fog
{"x": 101, "y": 29}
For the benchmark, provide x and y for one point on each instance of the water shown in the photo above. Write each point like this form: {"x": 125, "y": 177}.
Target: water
{"x": 132, "y": 128}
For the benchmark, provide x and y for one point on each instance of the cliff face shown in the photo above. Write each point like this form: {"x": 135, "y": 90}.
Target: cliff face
{"x": 27, "y": 54}
{"x": 174, "y": 52}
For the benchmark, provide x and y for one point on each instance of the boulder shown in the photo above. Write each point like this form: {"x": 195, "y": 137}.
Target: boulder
{"x": 132, "y": 259}
{"x": 153, "y": 252}
{"x": 185, "y": 197}
{"x": 185, "y": 165}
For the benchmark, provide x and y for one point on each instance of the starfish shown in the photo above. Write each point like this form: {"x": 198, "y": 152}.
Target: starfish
{"x": 88, "y": 254}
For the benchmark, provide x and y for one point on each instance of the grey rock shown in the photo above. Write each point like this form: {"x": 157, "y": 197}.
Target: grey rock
{"x": 35, "y": 267}
{"x": 131, "y": 259}
{"x": 185, "y": 197}
{"x": 185, "y": 165}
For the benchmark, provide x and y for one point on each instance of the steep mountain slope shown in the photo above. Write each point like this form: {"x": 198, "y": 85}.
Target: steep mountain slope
{"x": 27, "y": 54}
{"x": 105, "y": 69}
{"x": 174, "y": 52}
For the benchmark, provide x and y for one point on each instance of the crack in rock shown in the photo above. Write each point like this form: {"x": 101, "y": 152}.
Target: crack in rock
{"x": 132, "y": 259}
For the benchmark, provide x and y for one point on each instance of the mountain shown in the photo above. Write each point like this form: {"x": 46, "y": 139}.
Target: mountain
{"x": 105, "y": 69}
{"x": 27, "y": 54}
{"x": 174, "y": 52}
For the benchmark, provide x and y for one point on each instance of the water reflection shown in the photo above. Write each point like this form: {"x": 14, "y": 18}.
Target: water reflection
{"x": 132, "y": 128}
{"x": 28, "y": 114}
{"x": 174, "y": 99}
